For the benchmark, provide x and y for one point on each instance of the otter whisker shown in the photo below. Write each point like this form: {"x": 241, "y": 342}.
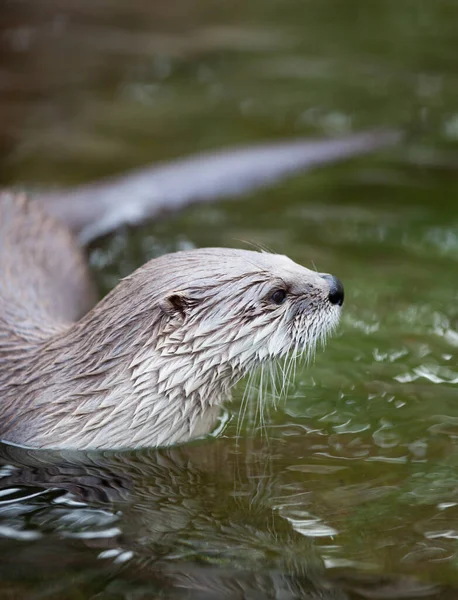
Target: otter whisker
{"x": 273, "y": 369}
{"x": 286, "y": 373}
{"x": 262, "y": 401}
{"x": 291, "y": 366}
{"x": 244, "y": 403}
{"x": 262, "y": 393}
{"x": 256, "y": 245}
{"x": 153, "y": 361}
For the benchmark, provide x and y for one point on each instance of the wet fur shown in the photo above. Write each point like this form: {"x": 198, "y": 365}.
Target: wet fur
{"x": 152, "y": 362}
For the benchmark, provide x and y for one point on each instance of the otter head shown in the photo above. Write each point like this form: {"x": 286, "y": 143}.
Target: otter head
{"x": 224, "y": 312}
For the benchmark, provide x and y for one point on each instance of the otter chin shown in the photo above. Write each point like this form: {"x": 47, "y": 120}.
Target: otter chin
{"x": 153, "y": 361}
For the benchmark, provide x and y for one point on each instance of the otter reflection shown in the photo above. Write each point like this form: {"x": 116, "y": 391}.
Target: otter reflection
{"x": 188, "y": 522}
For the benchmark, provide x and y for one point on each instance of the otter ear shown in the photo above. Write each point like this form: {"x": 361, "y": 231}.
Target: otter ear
{"x": 175, "y": 304}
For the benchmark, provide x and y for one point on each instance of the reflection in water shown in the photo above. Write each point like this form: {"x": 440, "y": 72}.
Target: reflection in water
{"x": 178, "y": 516}
{"x": 194, "y": 522}
{"x": 173, "y": 515}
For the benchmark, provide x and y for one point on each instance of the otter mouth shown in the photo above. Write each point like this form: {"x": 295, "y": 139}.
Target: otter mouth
{"x": 313, "y": 319}
{"x": 293, "y": 343}
{"x": 309, "y": 333}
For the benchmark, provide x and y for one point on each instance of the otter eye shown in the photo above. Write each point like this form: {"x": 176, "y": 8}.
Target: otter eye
{"x": 278, "y": 297}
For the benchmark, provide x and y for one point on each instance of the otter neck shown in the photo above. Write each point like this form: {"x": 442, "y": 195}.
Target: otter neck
{"x": 95, "y": 385}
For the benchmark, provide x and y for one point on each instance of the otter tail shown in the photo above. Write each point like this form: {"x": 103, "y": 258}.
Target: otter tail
{"x": 96, "y": 209}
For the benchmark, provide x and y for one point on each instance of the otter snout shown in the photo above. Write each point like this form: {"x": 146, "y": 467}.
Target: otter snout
{"x": 336, "y": 289}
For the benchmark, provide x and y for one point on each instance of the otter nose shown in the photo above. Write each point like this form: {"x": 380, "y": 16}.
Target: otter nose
{"x": 336, "y": 289}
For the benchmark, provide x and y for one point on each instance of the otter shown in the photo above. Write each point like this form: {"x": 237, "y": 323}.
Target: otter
{"x": 152, "y": 362}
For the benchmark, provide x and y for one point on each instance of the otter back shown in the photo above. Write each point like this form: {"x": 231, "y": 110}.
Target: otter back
{"x": 44, "y": 281}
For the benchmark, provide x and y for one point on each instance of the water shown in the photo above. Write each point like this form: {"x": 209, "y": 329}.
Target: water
{"x": 350, "y": 489}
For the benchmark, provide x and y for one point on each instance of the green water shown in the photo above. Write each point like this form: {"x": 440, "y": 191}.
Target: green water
{"x": 351, "y": 488}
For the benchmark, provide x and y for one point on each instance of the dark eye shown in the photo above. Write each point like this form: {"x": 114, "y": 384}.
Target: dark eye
{"x": 278, "y": 297}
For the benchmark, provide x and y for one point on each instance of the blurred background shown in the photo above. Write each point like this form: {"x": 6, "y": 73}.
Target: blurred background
{"x": 349, "y": 490}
